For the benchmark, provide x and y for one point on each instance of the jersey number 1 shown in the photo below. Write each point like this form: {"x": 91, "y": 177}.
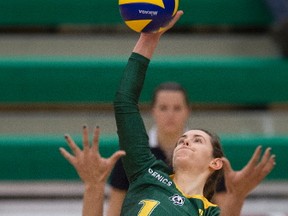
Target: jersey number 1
{"x": 148, "y": 207}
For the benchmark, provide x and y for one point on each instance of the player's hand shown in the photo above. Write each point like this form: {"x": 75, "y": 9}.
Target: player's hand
{"x": 242, "y": 182}
{"x": 169, "y": 26}
{"x": 90, "y": 166}
{"x": 148, "y": 42}
{"x": 173, "y": 21}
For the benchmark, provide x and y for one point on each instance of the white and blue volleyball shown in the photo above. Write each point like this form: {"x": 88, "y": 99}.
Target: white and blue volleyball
{"x": 147, "y": 15}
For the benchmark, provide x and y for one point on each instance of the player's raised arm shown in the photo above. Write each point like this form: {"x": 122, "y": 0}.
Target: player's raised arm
{"x": 130, "y": 127}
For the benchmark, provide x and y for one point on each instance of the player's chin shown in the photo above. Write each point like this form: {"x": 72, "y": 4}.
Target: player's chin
{"x": 181, "y": 156}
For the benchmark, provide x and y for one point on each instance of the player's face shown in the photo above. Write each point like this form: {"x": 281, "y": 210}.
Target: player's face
{"x": 194, "y": 148}
{"x": 170, "y": 111}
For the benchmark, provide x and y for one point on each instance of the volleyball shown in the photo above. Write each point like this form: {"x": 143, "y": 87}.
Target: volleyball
{"x": 147, "y": 15}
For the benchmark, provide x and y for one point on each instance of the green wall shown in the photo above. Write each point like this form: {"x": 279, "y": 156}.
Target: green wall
{"x": 55, "y": 13}
{"x": 208, "y": 80}
{"x": 38, "y": 157}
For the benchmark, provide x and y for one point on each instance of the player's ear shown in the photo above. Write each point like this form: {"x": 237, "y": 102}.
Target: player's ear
{"x": 216, "y": 164}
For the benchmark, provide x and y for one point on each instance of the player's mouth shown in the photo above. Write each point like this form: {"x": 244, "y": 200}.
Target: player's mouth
{"x": 186, "y": 148}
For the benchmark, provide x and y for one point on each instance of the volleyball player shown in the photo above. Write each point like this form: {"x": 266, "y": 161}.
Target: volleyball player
{"x": 197, "y": 158}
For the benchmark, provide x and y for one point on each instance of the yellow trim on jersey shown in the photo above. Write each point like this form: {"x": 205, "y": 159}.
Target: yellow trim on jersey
{"x": 206, "y": 203}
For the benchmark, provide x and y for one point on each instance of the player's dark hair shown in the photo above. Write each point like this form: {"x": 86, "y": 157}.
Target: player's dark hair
{"x": 169, "y": 86}
{"x": 216, "y": 176}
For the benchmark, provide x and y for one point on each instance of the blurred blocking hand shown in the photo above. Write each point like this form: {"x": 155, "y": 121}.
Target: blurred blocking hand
{"x": 88, "y": 163}
{"x": 239, "y": 184}
{"x": 93, "y": 170}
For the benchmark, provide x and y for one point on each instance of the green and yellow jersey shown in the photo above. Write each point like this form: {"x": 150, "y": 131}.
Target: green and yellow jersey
{"x": 152, "y": 190}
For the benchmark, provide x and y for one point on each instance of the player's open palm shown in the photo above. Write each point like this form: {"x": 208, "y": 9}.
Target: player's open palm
{"x": 242, "y": 182}
{"x": 90, "y": 166}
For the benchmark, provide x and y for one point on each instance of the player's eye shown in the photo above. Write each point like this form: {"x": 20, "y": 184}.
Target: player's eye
{"x": 177, "y": 108}
{"x": 163, "y": 108}
{"x": 198, "y": 140}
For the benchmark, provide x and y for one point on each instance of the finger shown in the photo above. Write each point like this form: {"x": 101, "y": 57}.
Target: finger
{"x": 115, "y": 157}
{"x": 264, "y": 159}
{"x": 75, "y": 149}
{"x": 85, "y": 138}
{"x": 173, "y": 21}
{"x": 255, "y": 158}
{"x": 176, "y": 18}
{"x": 67, "y": 155}
{"x": 95, "y": 145}
{"x": 268, "y": 166}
